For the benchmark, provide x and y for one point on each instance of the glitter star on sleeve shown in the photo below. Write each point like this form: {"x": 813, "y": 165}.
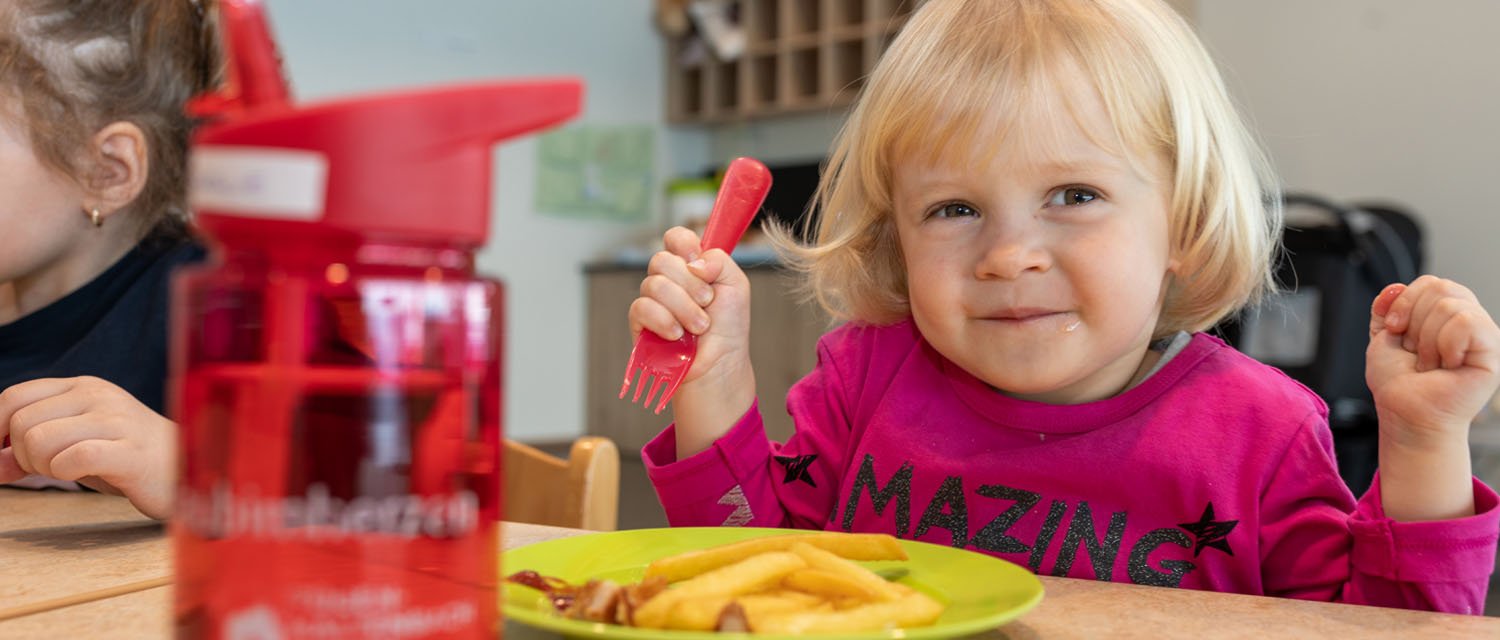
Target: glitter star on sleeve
{"x": 796, "y": 468}
{"x": 1209, "y": 532}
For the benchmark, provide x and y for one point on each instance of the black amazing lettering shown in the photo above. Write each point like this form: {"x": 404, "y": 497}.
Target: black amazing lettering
{"x": 1044, "y": 538}
{"x": 1101, "y": 553}
{"x": 949, "y": 509}
{"x": 898, "y": 487}
{"x": 993, "y": 536}
{"x": 1139, "y": 567}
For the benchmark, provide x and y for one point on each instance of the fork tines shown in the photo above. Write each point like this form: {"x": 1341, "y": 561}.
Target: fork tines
{"x": 658, "y": 380}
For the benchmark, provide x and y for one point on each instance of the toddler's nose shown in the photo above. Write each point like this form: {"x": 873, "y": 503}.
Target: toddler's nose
{"x": 1012, "y": 251}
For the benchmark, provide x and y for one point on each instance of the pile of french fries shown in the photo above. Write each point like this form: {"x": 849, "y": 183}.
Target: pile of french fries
{"x": 790, "y": 584}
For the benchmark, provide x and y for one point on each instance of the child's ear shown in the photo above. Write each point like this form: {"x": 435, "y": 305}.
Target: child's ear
{"x": 118, "y": 167}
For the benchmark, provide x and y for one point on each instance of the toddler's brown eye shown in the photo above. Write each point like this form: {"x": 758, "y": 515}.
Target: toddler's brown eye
{"x": 954, "y": 210}
{"x": 1073, "y": 196}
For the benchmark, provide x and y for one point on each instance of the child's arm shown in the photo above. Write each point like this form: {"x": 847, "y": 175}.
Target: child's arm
{"x": 1432, "y": 363}
{"x": 708, "y": 295}
{"x": 1316, "y": 543}
{"x": 89, "y": 430}
{"x": 744, "y": 479}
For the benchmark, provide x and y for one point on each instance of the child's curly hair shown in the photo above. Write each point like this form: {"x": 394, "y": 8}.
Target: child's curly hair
{"x": 967, "y": 70}
{"x": 70, "y": 67}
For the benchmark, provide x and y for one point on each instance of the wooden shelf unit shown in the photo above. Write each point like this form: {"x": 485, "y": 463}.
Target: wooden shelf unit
{"x": 800, "y": 55}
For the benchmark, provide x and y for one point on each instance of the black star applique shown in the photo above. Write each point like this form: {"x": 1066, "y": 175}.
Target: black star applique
{"x": 796, "y": 468}
{"x": 1210, "y": 533}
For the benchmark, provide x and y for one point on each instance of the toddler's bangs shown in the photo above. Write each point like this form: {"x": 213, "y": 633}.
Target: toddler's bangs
{"x": 998, "y": 73}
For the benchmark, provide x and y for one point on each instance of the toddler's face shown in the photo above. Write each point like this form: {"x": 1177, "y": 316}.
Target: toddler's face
{"x": 1040, "y": 273}
{"x": 40, "y": 210}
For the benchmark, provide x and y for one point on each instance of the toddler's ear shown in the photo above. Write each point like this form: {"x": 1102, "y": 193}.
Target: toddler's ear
{"x": 119, "y": 163}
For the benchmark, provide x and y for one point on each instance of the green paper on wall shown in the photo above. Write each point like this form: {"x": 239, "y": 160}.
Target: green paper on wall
{"x": 596, "y": 171}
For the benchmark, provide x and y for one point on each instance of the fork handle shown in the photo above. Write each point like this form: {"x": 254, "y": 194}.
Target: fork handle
{"x": 740, "y": 196}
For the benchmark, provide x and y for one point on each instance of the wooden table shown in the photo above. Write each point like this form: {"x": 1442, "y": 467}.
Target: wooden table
{"x": 58, "y": 548}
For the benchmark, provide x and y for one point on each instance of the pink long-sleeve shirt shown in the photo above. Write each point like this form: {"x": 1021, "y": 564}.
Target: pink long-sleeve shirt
{"x": 1216, "y": 472}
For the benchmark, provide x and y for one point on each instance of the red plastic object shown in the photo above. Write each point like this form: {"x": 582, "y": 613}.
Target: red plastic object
{"x": 667, "y": 362}
{"x": 336, "y": 370}
{"x": 412, "y": 164}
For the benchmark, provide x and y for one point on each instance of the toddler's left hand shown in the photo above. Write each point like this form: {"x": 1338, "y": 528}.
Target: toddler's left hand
{"x": 92, "y": 431}
{"x": 1433, "y": 360}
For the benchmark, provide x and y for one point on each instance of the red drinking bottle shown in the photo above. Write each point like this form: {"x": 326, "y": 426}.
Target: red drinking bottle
{"x": 336, "y": 368}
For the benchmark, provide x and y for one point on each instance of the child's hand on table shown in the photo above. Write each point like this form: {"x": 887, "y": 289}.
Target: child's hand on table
{"x": 92, "y": 431}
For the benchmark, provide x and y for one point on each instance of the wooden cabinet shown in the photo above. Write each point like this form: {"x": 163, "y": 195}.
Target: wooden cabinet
{"x": 783, "y": 340}
{"x": 799, "y": 55}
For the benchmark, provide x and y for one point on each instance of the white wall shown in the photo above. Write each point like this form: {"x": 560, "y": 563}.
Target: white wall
{"x": 337, "y": 47}
{"x": 1379, "y": 99}
{"x": 791, "y": 139}
{"x": 1356, "y": 99}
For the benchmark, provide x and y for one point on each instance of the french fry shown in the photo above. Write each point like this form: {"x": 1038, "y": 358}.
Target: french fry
{"x": 854, "y": 546}
{"x": 696, "y": 614}
{"x": 830, "y": 585}
{"x": 702, "y": 614}
{"x": 749, "y": 575}
{"x": 819, "y": 559}
{"x": 779, "y": 601}
{"x": 848, "y": 603}
{"x": 914, "y": 610}
{"x": 787, "y": 584}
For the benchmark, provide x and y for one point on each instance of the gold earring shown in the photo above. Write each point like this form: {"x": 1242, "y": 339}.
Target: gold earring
{"x": 94, "y": 217}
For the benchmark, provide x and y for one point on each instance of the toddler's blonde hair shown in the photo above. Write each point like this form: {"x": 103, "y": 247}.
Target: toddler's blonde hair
{"x": 962, "y": 70}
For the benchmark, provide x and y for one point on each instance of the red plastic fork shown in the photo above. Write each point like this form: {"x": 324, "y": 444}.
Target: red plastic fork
{"x": 668, "y": 361}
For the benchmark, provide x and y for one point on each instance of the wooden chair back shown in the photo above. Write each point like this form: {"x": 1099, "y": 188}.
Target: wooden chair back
{"x": 582, "y": 492}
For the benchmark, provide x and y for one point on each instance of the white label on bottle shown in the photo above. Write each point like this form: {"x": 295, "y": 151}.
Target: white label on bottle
{"x": 319, "y": 515}
{"x": 258, "y": 182}
{"x": 365, "y": 610}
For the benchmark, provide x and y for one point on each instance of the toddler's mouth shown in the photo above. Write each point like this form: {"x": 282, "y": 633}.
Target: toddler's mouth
{"x": 1025, "y": 315}
{"x": 1035, "y": 318}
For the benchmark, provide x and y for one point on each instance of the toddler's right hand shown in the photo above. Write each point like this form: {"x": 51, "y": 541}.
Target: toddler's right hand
{"x": 709, "y": 296}
{"x": 90, "y": 430}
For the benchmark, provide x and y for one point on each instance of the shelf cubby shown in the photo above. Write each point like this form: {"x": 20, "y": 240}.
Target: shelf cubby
{"x": 800, "y": 55}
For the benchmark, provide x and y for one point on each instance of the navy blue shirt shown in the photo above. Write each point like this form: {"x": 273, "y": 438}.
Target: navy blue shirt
{"x": 114, "y": 327}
